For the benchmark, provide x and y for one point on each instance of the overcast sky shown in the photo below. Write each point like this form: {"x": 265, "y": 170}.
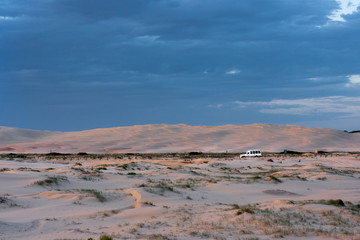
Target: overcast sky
{"x": 81, "y": 64}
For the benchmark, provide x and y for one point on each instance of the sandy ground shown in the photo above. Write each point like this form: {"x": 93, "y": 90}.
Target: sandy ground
{"x": 132, "y": 198}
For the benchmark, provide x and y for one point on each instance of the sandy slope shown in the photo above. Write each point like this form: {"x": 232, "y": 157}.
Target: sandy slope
{"x": 10, "y": 135}
{"x": 179, "y": 138}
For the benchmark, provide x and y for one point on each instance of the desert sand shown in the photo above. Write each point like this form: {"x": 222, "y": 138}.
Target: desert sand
{"x": 158, "y": 138}
{"x": 130, "y": 197}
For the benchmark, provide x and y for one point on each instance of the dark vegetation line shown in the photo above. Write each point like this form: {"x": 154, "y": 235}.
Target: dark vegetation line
{"x": 186, "y": 155}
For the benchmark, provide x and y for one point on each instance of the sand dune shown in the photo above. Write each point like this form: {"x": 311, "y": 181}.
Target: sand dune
{"x": 10, "y": 135}
{"x": 179, "y": 138}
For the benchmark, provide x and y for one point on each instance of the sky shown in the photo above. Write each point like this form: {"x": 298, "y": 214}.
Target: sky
{"x": 71, "y": 65}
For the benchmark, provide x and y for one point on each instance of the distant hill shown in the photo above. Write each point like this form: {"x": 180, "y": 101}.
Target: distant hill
{"x": 179, "y": 138}
{"x": 10, "y": 135}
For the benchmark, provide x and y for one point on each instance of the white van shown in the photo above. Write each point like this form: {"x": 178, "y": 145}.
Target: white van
{"x": 251, "y": 153}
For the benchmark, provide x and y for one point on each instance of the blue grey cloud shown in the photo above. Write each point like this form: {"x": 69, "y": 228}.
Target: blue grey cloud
{"x": 169, "y": 57}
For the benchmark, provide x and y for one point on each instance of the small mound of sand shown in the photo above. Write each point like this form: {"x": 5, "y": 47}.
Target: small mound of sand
{"x": 12, "y": 172}
{"x": 58, "y": 195}
{"x": 278, "y": 202}
{"x": 7, "y": 149}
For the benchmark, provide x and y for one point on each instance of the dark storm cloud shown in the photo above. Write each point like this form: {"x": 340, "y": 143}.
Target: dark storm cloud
{"x": 202, "y": 52}
{"x": 216, "y": 34}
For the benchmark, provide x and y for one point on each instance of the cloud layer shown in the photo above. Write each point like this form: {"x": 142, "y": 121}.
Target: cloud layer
{"x": 77, "y": 64}
{"x": 350, "y": 106}
{"x": 346, "y": 7}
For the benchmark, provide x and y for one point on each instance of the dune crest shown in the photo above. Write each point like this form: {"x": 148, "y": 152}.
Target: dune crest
{"x": 179, "y": 138}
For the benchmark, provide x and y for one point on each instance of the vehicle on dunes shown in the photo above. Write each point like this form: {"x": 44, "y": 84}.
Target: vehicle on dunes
{"x": 251, "y": 153}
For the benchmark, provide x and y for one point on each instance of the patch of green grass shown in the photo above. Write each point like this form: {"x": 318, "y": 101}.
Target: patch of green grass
{"x": 159, "y": 187}
{"x": 338, "y": 171}
{"x": 101, "y": 168}
{"x": 212, "y": 180}
{"x": 321, "y": 178}
{"x": 301, "y": 178}
{"x": 337, "y": 202}
{"x": 245, "y": 209}
{"x": 128, "y": 166}
{"x": 158, "y": 237}
{"x": 333, "y": 202}
{"x": 279, "y": 223}
{"x": 105, "y": 237}
{"x": 235, "y": 206}
{"x": 354, "y": 209}
{"x": 27, "y": 169}
{"x": 13, "y": 155}
{"x": 256, "y": 177}
{"x": 51, "y": 180}
{"x": 97, "y": 194}
{"x": 7, "y": 201}
{"x": 246, "y": 231}
{"x": 88, "y": 178}
{"x": 164, "y": 187}
{"x": 217, "y": 164}
{"x": 3, "y": 199}
{"x": 77, "y": 202}
{"x": 274, "y": 179}
{"x": 187, "y": 183}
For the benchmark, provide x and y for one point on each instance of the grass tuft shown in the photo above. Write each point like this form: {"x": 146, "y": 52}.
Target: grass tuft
{"x": 274, "y": 179}
{"x": 52, "y": 180}
{"x": 105, "y": 237}
{"x": 97, "y": 194}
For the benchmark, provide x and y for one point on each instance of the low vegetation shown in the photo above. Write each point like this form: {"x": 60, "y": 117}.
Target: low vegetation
{"x": 105, "y": 237}
{"x": 186, "y": 155}
{"x": 51, "y": 180}
{"x": 95, "y": 193}
{"x": 158, "y": 187}
{"x": 6, "y": 201}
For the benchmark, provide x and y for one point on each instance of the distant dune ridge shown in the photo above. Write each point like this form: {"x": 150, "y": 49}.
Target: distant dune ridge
{"x": 10, "y": 135}
{"x": 179, "y": 138}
